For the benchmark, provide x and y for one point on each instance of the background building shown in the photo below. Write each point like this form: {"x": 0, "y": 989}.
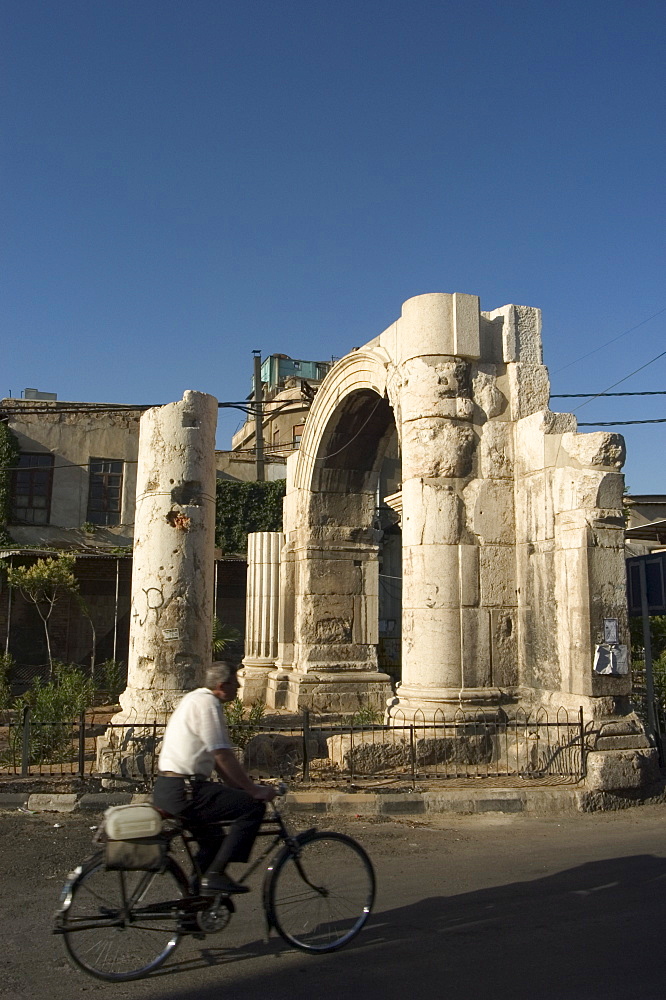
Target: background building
{"x": 288, "y": 388}
{"x": 646, "y": 523}
{"x": 73, "y": 489}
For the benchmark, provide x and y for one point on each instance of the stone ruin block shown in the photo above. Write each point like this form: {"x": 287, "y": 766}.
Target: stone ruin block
{"x": 279, "y": 754}
{"x": 372, "y": 753}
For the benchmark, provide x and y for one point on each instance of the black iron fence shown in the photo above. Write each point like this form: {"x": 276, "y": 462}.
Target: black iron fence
{"x": 310, "y": 749}
{"x": 639, "y": 695}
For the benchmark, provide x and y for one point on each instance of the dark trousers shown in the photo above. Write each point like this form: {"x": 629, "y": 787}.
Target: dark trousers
{"x": 202, "y": 805}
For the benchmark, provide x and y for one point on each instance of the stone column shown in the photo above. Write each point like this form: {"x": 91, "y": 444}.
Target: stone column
{"x": 261, "y": 618}
{"x": 437, "y": 338}
{"x": 590, "y": 581}
{"x": 172, "y": 575}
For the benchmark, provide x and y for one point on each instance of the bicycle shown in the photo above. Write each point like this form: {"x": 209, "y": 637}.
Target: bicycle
{"x": 118, "y": 923}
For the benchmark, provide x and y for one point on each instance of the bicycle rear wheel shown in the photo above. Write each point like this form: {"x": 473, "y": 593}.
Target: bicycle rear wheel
{"x": 121, "y": 925}
{"x": 319, "y": 898}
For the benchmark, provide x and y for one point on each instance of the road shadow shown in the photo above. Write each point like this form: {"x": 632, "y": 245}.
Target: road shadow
{"x": 595, "y": 930}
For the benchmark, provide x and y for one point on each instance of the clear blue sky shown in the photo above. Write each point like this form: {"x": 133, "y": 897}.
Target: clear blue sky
{"x": 185, "y": 181}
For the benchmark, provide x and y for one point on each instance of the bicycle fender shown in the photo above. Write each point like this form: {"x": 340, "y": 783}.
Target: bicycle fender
{"x": 65, "y": 899}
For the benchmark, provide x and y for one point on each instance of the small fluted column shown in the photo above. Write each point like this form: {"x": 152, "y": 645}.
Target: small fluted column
{"x": 262, "y": 609}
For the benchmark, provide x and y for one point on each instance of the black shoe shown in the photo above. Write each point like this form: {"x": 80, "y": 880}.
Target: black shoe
{"x": 220, "y": 882}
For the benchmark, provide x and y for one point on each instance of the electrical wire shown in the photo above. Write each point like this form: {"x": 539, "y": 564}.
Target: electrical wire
{"x": 67, "y": 465}
{"x": 586, "y": 395}
{"x": 621, "y": 380}
{"x": 621, "y": 423}
{"x": 248, "y": 408}
{"x": 609, "y": 342}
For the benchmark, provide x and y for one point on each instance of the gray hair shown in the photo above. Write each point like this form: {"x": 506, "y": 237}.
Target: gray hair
{"x": 218, "y": 673}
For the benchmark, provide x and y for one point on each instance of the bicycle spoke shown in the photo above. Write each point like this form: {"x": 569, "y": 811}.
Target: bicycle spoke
{"x": 330, "y": 911}
{"x": 135, "y": 938}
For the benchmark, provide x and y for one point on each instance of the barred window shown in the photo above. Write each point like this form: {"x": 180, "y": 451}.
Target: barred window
{"x": 105, "y": 491}
{"x": 32, "y": 483}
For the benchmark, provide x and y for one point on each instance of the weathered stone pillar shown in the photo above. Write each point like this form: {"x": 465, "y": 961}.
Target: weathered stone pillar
{"x": 437, "y": 334}
{"x": 172, "y": 574}
{"x": 589, "y": 535}
{"x": 261, "y": 617}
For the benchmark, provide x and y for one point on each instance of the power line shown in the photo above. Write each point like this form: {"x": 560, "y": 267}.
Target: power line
{"x": 49, "y": 468}
{"x": 622, "y": 423}
{"x": 101, "y": 407}
{"x": 248, "y": 407}
{"x": 609, "y": 342}
{"x": 586, "y": 395}
{"x": 619, "y": 381}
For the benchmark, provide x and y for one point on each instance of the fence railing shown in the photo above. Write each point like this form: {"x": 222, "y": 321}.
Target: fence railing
{"x": 639, "y": 697}
{"x": 313, "y": 749}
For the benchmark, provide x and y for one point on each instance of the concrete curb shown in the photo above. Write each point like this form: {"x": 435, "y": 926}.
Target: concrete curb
{"x": 536, "y": 802}
{"x": 530, "y": 802}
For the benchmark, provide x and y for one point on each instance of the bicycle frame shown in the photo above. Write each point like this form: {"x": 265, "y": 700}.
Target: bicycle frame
{"x": 271, "y": 826}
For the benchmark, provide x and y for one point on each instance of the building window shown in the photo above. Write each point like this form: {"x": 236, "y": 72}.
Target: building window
{"x": 32, "y": 483}
{"x": 297, "y": 434}
{"x": 105, "y": 491}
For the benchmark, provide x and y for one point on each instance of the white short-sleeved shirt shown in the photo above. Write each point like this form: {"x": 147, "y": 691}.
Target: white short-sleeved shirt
{"x": 194, "y": 732}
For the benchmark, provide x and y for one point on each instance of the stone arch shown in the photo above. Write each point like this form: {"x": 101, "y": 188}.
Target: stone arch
{"x": 358, "y": 376}
{"x": 506, "y": 545}
{"x": 329, "y": 572}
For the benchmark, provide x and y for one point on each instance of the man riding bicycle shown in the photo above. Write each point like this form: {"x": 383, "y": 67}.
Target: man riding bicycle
{"x": 196, "y": 742}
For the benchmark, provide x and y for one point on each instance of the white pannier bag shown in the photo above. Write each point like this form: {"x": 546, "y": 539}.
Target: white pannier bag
{"x": 133, "y": 839}
{"x": 132, "y": 821}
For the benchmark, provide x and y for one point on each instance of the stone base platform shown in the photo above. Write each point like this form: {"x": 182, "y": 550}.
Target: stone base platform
{"x": 343, "y": 691}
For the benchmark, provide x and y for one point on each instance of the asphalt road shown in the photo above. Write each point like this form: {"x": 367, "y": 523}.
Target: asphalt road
{"x": 490, "y": 906}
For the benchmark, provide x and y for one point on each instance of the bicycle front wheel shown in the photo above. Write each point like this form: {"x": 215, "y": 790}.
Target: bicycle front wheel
{"x": 120, "y": 925}
{"x": 319, "y": 896}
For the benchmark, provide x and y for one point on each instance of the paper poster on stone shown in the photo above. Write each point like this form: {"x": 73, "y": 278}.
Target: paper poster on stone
{"x": 611, "y": 659}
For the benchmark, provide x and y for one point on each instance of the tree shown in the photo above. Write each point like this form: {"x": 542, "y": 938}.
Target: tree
{"x": 223, "y": 636}
{"x": 657, "y": 635}
{"x": 42, "y": 584}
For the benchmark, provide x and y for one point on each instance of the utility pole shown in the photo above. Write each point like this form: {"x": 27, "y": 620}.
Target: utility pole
{"x": 259, "y": 418}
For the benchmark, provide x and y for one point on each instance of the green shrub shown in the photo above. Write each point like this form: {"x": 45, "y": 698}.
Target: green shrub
{"x": 365, "y": 716}
{"x": 243, "y": 721}
{"x": 112, "y": 678}
{"x": 657, "y": 635}
{"x": 54, "y": 706}
{"x": 659, "y": 678}
{"x": 6, "y": 665}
